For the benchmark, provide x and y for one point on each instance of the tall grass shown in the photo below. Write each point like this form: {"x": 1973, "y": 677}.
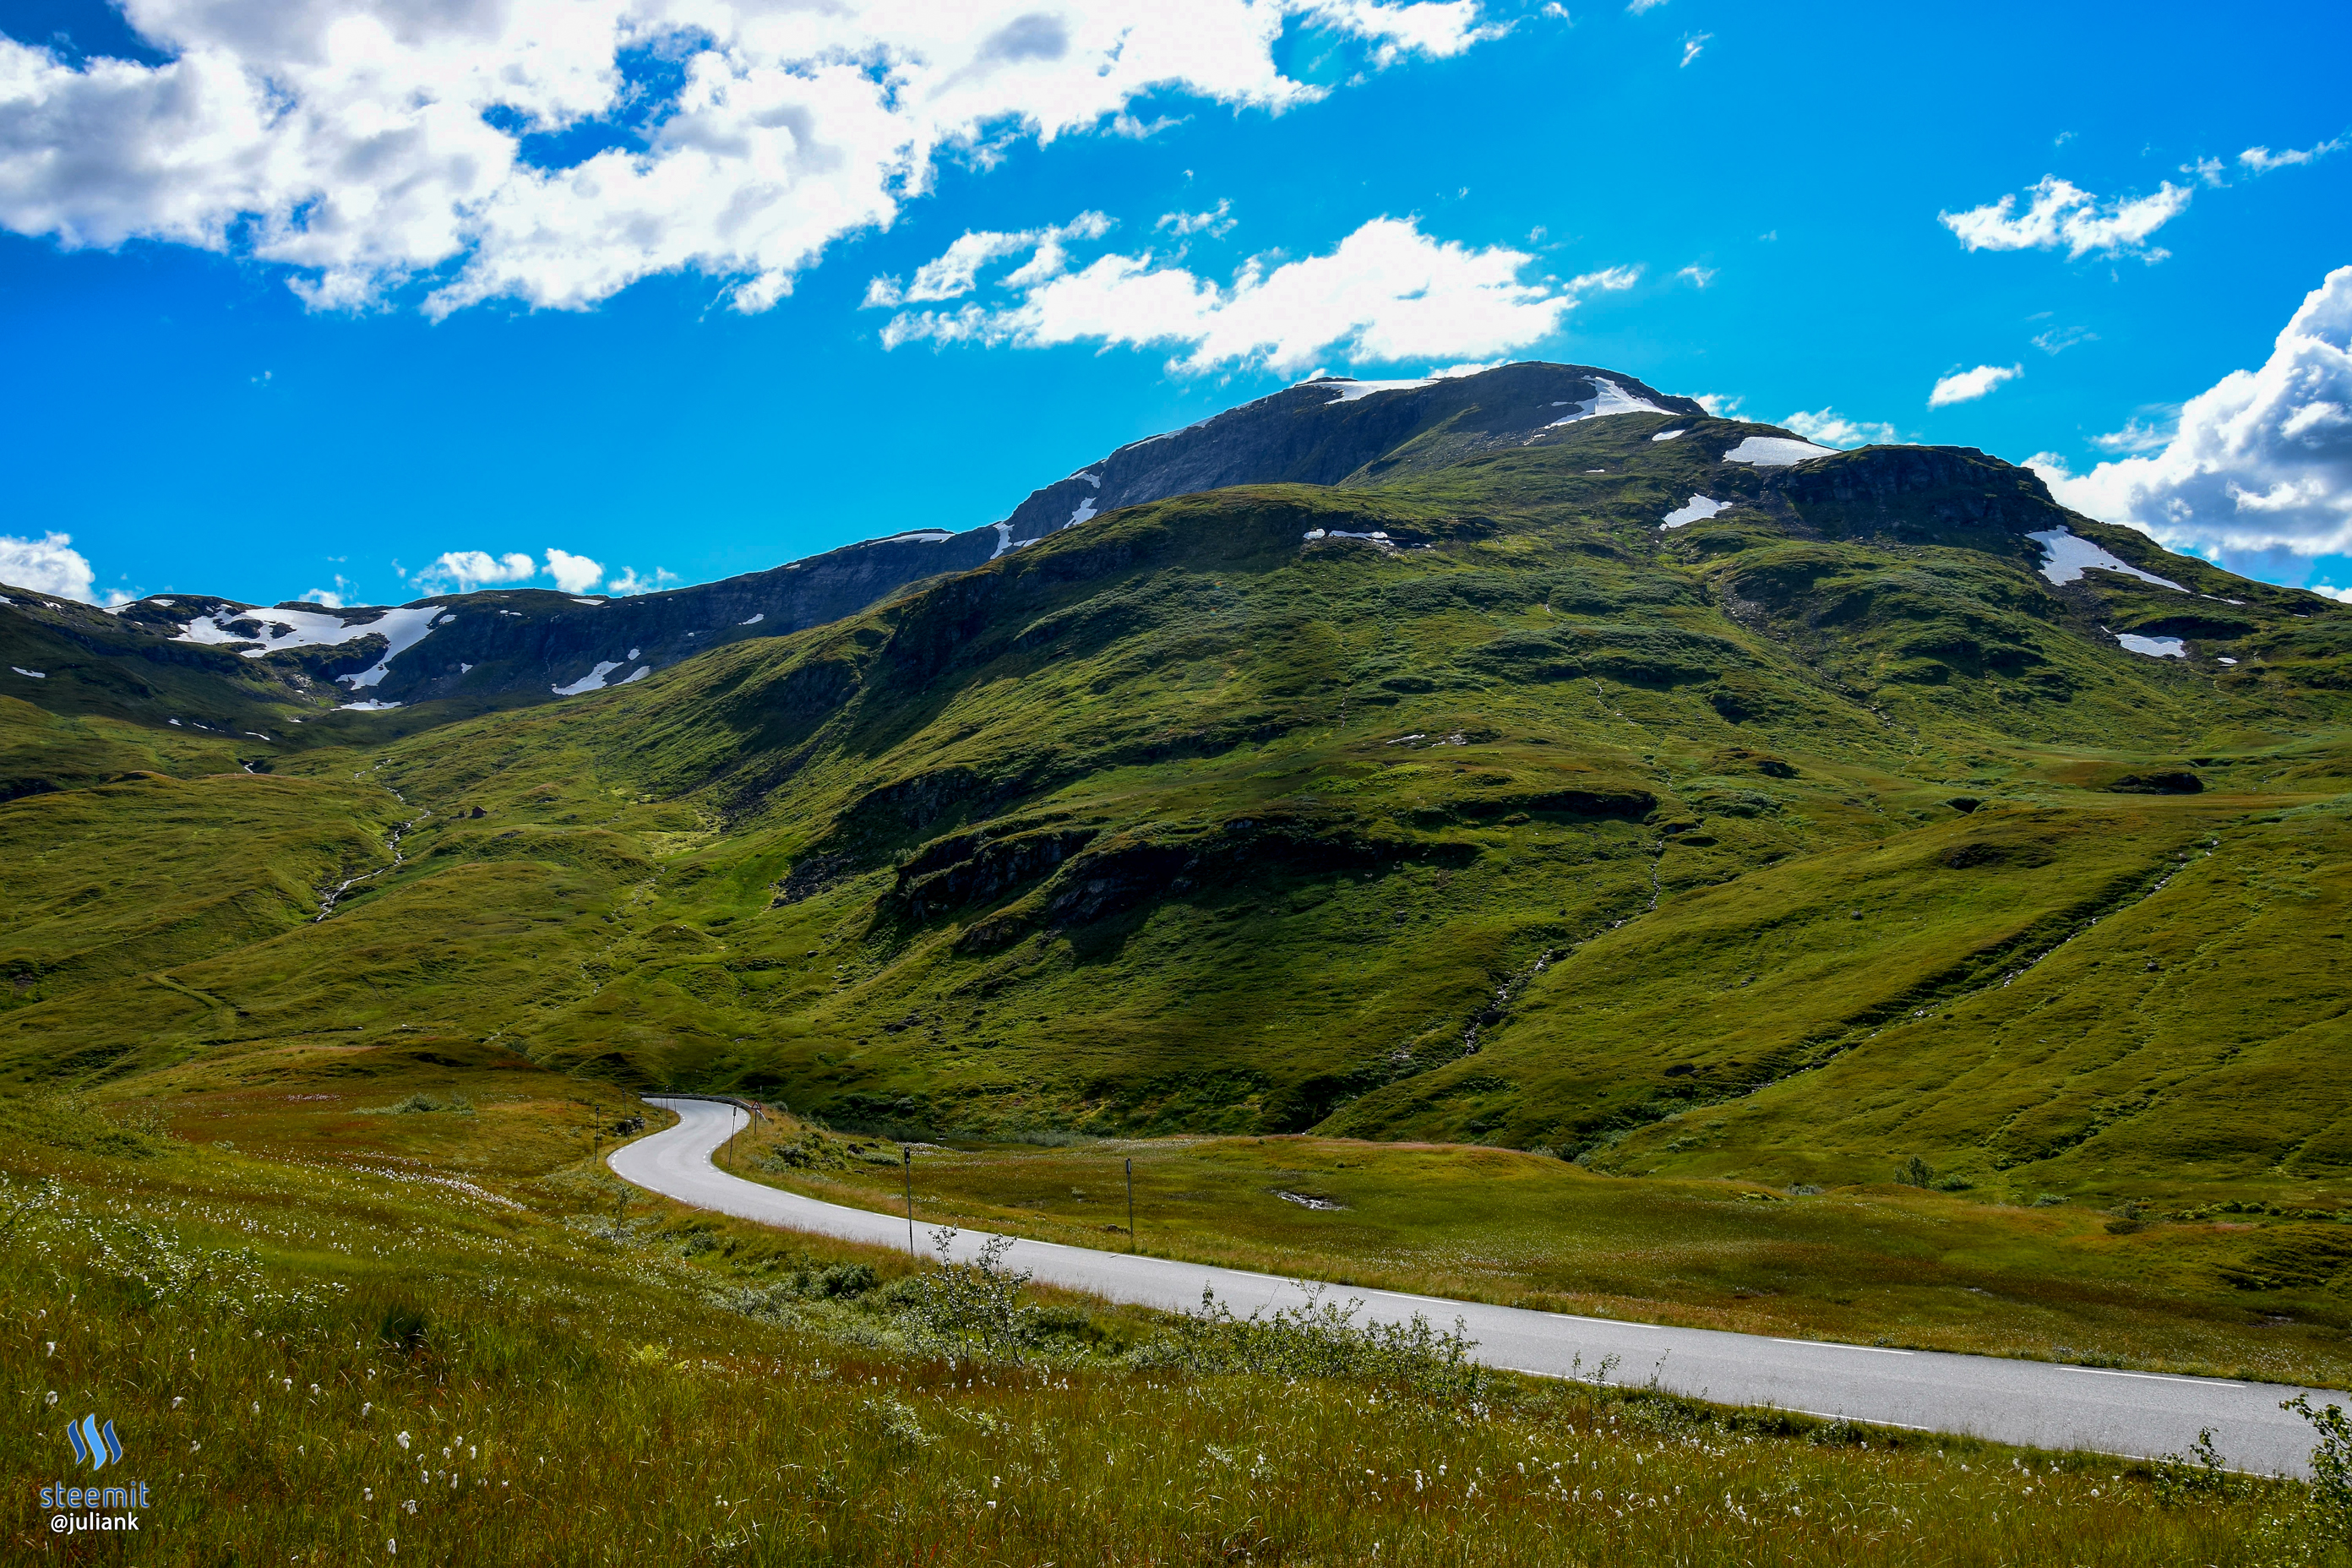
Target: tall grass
{"x": 310, "y": 1366}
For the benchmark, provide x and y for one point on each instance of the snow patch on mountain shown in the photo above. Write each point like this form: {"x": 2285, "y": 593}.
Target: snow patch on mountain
{"x": 402, "y": 629}
{"x": 2154, "y": 648}
{"x": 1348, "y": 389}
{"x": 1698, "y": 509}
{"x": 2070, "y": 556}
{"x": 592, "y": 681}
{"x": 1607, "y": 398}
{"x": 1775, "y": 451}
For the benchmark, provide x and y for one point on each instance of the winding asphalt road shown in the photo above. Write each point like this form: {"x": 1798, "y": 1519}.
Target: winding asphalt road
{"x": 2034, "y": 1403}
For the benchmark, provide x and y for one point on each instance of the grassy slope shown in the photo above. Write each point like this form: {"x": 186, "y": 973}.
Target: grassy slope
{"x": 328, "y": 1335}
{"x": 1880, "y": 1264}
{"x": 1554, "y": 834}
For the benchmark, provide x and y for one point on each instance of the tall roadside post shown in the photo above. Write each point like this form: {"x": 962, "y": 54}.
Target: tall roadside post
{"x": 908, "y": 1151}
{"x": 1130, "y": 1205}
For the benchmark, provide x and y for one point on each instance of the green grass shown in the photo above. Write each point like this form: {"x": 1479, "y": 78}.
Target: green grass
{"x": 269, "y": 1300}
{"x": 1877, "y": 1264}
{"x": 1777, "y": 851}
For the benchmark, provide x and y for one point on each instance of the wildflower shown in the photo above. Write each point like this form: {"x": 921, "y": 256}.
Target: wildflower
{"x": 53, "y": 1347}
{"x": 366, "y": 1405}
{"x": 402, "y": 1439}
{"x": 53, "y": 1396}
{"x": 469, "y": 1451}
{"x": 367, "y": 1494}
{"x": 410, "y": 1505}
{"x": 177, "y": 1400}
{"x": 393, "y": 1547}
{"x": 256, "y": 1407}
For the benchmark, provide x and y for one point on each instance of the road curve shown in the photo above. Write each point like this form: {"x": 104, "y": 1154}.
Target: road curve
{"x": 2038, "y": 1403}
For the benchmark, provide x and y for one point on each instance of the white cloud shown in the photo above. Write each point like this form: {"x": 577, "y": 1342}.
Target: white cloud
{"x": 1636, "y": 7}
{"x": 2063, "y": 215}
{"x": 953, "y": 273}
{"x": 46, "y": 565}
{"x": 463, "y": 570}
{"x": 364, "y": 145}
{"x": 2262, "y": 461}
{"x": 2058, "y": 340}
{"x": 1214, "y": 224}
{"x": 573, "y": 574}
{"x": 1699, "y": 277}
{"x": 2136, "y": 437}
{"x": 1388, "y": 294}
{"x": 1968, "y": 385}
{"x": 1721, "y": 405}
{"x": 2262, "y": 160}
{"x": 1692, "y": 44}
{"x": 1831, "y": 428}
{"x": 333, "y": 598}
{"x": 2328, "y": 591}
{"x": 627, "y": 581}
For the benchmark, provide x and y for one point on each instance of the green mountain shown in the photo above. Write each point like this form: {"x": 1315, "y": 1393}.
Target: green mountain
{"x": 1570, "y": 771}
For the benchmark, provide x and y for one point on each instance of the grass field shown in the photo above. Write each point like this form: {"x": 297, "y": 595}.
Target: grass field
{"x": 1881, "y": 1264}
{"x": 328, "y": 1328}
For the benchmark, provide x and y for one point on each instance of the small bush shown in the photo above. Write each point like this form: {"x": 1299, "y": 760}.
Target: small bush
{"x": 2331, "y": 1469}
{"x": 2201, "y": 1477}
{"x": 1318, "y": 1339}
{"x": 1915, "y": 1173}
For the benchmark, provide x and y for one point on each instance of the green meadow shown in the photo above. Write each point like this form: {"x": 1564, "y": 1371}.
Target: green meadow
{"x": 1810, "y": 921}
{"x": 369, "y": 1306}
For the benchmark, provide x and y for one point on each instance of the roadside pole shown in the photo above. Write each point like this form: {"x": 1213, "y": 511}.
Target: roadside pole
{"x": 1130, "y": 1205}
{"x": 908, "y": 1154}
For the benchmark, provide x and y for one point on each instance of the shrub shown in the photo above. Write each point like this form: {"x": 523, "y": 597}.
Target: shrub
{"x": 1914, "y": 1173}
{"x": 2199, "y": 1477}
{"x": 1318, "y": 1339}
{"x": 2331, "y": 1468}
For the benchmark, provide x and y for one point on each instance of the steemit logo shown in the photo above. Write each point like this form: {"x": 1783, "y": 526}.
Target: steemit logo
{"x": 75, "y": 1509}
{"x": 94, "y": 1443}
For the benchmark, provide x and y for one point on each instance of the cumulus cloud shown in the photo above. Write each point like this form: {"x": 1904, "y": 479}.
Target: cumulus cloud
{"x": 366, "y": 145}
{"x": 1723, "y": 406}
{"x": 2261, "y": 463}
{"x": 1968, "y": 385}
{"x": 627, "y": 582}
{"x": 463, "y": 570}
{"x": 46, "y": 565}
{"x": 1386, "y": 294}
{"x": 2063, "y": 215}
{"x": 952, "y": 274}
{"x": 1213, "y": 224}
{"x": 2262, "y": 160}
{"x": 333, "y": 598}
{"x": 1697, "y": 277}
{"x": 1832, "y": 428}
{"x": 573, "y": 574}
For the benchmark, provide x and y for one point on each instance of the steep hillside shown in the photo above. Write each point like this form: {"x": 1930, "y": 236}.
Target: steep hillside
{"x": 1653, "y": 789}
{"x": 274, "y": 677}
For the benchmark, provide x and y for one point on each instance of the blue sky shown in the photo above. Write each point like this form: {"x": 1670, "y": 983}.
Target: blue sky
{"x": 262, "y": 385}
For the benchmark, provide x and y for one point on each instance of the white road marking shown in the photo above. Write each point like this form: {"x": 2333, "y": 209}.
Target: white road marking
{"x": 1834, "y": 1345}
{"x": 2151, "y": 1376}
